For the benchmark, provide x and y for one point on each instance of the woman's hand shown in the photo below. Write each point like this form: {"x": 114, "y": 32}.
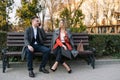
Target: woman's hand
{"x": 64, "y": 47}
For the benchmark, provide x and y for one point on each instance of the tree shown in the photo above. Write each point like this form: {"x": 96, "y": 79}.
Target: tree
{"x": 54, "y": 7}
{"x": 74, "y": 16}
{"x": 101, "y": 11}
{"x": 28, "y": 9}
{"x": 5, "y": 9}
{"x": 109, "y": 10}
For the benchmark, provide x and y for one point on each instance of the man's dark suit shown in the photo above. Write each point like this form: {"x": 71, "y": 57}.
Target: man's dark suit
{"x": 39, "y": 47}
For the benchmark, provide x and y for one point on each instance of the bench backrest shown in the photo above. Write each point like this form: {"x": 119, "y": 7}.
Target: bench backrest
{"x": 17, "y": 39}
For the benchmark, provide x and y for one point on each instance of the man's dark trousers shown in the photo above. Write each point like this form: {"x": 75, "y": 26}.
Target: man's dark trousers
{"x": 30, "y": 55}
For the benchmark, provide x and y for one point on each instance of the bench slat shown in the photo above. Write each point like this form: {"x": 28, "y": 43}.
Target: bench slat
{"x": 86, "y": 44}
{"x": 16, "y": 53}
{"x": 80, "y": 37}
{"x": 8, "y": 41}
{"x": 15, "y": 33}
{"x": 15, "y": 37}
{"x": 83, "y": 41}
{"x": 86, "y": 52}
{"x": 14, "y": 45}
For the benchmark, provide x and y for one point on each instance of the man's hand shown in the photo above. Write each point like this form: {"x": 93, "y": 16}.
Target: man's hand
{"x": 64, "y": 47}
{"x": 40, "y": 27}
{"x": 31, "y": 48}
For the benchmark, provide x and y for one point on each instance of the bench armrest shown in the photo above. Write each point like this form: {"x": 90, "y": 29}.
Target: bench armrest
{"x": 93, "y": 49}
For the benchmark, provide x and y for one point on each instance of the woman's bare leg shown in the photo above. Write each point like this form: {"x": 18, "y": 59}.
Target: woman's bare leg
{"x": 67, "y": 67}
{"x": 54, "y": 67}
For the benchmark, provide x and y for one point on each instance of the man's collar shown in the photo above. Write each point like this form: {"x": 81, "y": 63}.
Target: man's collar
{"x": 34, "y": 27}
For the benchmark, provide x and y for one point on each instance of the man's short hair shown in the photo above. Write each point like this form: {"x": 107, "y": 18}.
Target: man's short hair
{"x": 34, "y": 17}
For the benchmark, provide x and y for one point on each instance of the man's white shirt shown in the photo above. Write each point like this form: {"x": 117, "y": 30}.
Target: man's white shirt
{"x": 35, "y": 33}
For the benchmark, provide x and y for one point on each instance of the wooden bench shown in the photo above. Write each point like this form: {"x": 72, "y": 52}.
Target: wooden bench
{"x": 16, "y": 40}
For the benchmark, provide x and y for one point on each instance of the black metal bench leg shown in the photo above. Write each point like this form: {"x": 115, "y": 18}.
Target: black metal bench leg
{"x": 4, "y": 63}
{"x": 8, "y": 65}
{"x": 87, "y": 60}
{"x": 92, "y": 60}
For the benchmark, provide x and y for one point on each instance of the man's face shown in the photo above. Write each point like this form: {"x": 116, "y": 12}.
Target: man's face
{"x": 35, "y": 22}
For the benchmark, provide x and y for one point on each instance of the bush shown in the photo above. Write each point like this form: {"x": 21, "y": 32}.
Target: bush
{"x": 80, "y": 29}
{"x": 2, "y": 40}
{"x": 106, "y": 44}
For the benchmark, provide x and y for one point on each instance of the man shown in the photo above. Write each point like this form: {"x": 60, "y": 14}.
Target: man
{"x": 34, "y": 37}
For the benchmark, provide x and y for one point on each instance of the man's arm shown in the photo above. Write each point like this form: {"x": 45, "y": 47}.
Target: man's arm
{"x": 26, "y": 37}
{"x": 27, "y": 42}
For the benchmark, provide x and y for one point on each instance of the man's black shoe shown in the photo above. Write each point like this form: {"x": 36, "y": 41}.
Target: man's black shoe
{"x": 31, "y": 74}
{"x": 43, "y": 70}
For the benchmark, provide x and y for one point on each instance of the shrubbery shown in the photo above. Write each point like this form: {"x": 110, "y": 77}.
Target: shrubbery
{"x": 106, "y": 44}
{"x": 2, "y": 40}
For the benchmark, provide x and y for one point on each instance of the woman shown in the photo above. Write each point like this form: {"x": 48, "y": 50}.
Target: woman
{"x": 61, "y": 40}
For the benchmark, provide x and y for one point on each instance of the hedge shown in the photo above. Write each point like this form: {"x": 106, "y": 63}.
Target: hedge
{"x": 106, "y": 44}
{"x": 2, "y": 40}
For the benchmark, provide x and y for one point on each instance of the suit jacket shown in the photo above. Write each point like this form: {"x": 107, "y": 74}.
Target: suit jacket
{"x": 28, "y": 36}
{"x": 56, "y": 34}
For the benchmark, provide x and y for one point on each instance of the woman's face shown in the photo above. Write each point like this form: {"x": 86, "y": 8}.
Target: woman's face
{"x": 61, "y": 24}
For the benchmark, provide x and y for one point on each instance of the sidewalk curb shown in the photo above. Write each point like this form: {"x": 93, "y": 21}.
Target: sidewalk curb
{"x": 97, "y": 62}
{"x": 107, "y": 61}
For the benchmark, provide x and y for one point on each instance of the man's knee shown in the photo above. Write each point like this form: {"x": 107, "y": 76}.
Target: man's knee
{"x": 28, "y": 51}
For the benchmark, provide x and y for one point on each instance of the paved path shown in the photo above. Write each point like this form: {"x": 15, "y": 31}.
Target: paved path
{"x": 81, "y": 71}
